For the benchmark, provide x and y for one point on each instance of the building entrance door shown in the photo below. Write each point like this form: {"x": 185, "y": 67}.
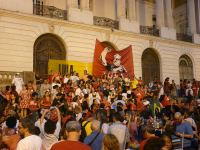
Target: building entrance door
{"x": 47, "y": 46}
{"x": 150, "y": 66}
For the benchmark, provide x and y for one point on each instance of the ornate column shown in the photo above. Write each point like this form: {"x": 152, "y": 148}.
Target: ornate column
{"x": 159, "y": 14}
{"x": 121, "y": 9}
{"x": 191, "y": 16}
{"x": 131, "y": 9}
{"x": 72, "y": 3}
{"x": 168, "y": 13}
{"x": 84, "y": 4}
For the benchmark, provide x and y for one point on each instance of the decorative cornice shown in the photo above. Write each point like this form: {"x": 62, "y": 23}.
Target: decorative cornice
{"x": 35, "y": 18}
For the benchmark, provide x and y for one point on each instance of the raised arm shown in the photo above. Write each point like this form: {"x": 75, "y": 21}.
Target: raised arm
{"x": 58, "y": 113}
{"x": 103, "y": 56}
{"x": 42, "y": 118}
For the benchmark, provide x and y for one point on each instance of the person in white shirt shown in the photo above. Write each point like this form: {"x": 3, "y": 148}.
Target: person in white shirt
{"x": 74, "y": 78}
{"x": 188, "y": 91}
{"x": 30, "y": 141}
{"x": 50, "y": 130}
{"x": 66, "y": 78}
{"x": 188, "y": 85}
{"x": 78, "y": 113}
{"x": 18, "y": 82}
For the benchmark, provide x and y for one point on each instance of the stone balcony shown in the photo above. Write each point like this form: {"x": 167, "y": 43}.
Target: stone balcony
{"x": 49, "y": 11}
{"x": 184, "y": 37}
{"x": 149, "y": 30}
{"x": 106, "y": 22}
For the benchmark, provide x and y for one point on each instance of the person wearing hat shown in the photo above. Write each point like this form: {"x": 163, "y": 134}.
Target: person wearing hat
{"x": 18, "y": 82}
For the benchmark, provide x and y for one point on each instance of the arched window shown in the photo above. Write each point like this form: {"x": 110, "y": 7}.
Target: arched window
{"x": 186, "y": 68}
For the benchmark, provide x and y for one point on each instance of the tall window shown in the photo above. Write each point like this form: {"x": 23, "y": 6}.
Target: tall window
{"x": 186, "y": 68}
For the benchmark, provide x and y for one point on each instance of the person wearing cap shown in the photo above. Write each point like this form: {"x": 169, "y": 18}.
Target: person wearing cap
{"x": 18, "y": 82}
{"x": 73, "y": 132}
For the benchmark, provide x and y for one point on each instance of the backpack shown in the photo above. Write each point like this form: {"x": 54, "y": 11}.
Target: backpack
{"x": 83, "y": 132}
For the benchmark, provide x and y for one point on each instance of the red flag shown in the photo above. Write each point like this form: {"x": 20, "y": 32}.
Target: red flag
{"x": 106, "y": 60}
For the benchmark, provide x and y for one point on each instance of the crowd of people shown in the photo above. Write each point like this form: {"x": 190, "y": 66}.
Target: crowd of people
{"x": 99, "y": 113}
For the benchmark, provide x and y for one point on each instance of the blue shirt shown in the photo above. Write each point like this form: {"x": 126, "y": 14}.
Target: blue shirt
{"x": 187, "y": 129}
{"x": 97, "y": 144}
{"x": 1, "y": 97}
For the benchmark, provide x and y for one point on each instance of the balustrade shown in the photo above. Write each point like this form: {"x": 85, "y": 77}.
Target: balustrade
{"x": 106, "y": 22}
{"x": 149, "y": 30}
{"x": 49, "y": 11}
{"x": 184, "y": 37}
{"x": 6, "y": 79}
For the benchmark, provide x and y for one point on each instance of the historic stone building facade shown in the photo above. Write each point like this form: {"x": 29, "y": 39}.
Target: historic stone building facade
{"x": 164, "y": 35}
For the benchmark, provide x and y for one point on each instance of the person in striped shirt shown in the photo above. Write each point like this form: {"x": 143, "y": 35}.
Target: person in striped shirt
{"x": 176, "y": 142}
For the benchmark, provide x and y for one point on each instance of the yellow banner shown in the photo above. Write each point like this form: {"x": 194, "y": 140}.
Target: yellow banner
{"x": 57, "y": 66}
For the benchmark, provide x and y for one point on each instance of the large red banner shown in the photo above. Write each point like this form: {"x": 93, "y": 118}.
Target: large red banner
{"x": 111, "y": 61}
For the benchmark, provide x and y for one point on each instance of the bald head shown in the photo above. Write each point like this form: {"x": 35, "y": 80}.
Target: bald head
{"x": 177, "y": 115}
{"x": 95, "y": 125}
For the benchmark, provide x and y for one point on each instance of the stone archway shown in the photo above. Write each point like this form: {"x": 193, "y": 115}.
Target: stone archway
{"x": 150, "y": 66}
{"x": 47, "y": 46}
{"x": 109, "y": 45}
{"x": 186, "y": 68}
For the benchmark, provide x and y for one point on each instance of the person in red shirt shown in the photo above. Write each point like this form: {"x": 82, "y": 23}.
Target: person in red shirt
{"x": 94, "y": 84}
{"x": 13, "y": 91}
{"x": 139, "y": 94}
{"x": 195, "y": 89}
{"x": 164, "y": 102}
{"x": 131, "y": 106}
{"x": 68, "y": 116}
{"x": 73, "y": 132}
{"x": 8, "y": 93}
{"x": 196, "y": 83}
{"x": 51, "y": 77}
{"x": 69, "y": 98}
{"x": 140, "y": 81}
{"x": 140, "y": 106}
{"x": 155, "y": 80}
{"x": 149, "y": 132}
{"x": 166, "y": 85}
{"x": 182, "y": 87}
{"x": 33, "y": 105}
{"x": 185, "y": 84}
{"x": 46, "y": 101}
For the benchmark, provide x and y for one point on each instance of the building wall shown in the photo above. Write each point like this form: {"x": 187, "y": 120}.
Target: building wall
{"x": 18, "y": 32}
